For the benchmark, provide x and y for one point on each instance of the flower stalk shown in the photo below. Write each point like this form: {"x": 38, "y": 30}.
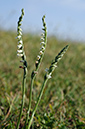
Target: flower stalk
{"x": 37, "y": 64}
{"x": 46, "y": 77}
{"x": 21, "y": 53}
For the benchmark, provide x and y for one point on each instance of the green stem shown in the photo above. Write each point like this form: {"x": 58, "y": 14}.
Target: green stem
{"x": 30, "y": 99}
{"x": 38, "y": 100}
{"x": 23, "y": 96}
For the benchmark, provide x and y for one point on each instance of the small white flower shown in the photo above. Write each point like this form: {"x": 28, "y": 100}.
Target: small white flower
{"x": 18, "y": 54}
{"x": 36, "y": 62}
{"x": 42, "y": 48}
{"x": 20, "y": 32}
{"x": 20, "y": 29}
{"x": 42, "y": 39}
{"x": 20, "y": 42}
{"x": 59, "y": 58}
{"x": 49, "y": 76}
{"x": 20, "y": 51}
{"x": 19, "y": 46}
{"x": 42, "y": 43}
{"x": 55, "y": 66}
{"x": 38, "y": 57}
{"x": 19, "y": 36}
{"x": 41, "y": 52}
{"x": 42, "y": 34}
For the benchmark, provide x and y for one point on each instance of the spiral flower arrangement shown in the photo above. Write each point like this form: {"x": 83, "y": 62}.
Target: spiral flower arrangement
{"x": 42, "y": 48}
{"x": 43, "y": 43}
{"x": 54, "y": 63}
{"x": 20, "y": 47}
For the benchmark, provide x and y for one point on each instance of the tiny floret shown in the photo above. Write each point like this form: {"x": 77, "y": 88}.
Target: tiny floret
{"x": 42, "y": 48}
{"x": 38, "y": 57}
{"x": 20, "y": 51}
{"x": 20, "y": 33}
{"x": 19, "y": 36}
{"x": 42, "y": 43}
{"x": 20, "y": 42}
{"x": 42, "y": 34}
{"x": 48, "y": 76}
{"x": 41, "y": 52}
{"x": 18, "y": 54}
{"x": 19, "y": 46}
{"x": 42, "y": 39}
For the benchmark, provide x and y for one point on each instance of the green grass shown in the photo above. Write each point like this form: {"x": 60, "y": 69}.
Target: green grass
{"x": 63, "y": 102}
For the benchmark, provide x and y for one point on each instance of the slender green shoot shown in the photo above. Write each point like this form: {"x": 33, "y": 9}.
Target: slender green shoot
{"x": 37, "y": 64}
{"x": 21, "y": 53}
{"x": 46, "y": 77}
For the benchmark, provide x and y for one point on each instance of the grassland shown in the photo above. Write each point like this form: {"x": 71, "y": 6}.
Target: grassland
{"x": 63, "y": 101}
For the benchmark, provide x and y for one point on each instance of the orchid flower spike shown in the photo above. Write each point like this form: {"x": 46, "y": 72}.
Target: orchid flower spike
{"x": 20, "y": 46}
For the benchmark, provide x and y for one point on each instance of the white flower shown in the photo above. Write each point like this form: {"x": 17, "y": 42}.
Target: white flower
{"x": 49, "y": 76}
{"x": 38, "y": 57}
{"x": 20, "y": 51}
{"x": 18, "y": 54}
{"x": 42, "y": 34}
{"x": 55, "y": 65}
{"x": 41, "y": 52}
{"x": 20, "y": 29}
{"x": 19, "y": 46}
{"x": 42, "y": 43}
{"x": 42, "y": 48}
{"x": 19, "y": 36}
{"x": 20, "y": 42}
{"x": 42, "y": 39}
{"x": 20, "y": 33}
{"x": 36, "y": 62}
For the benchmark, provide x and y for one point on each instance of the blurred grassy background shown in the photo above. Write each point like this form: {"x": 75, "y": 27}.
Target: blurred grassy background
{"x": 63, "y": 101}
